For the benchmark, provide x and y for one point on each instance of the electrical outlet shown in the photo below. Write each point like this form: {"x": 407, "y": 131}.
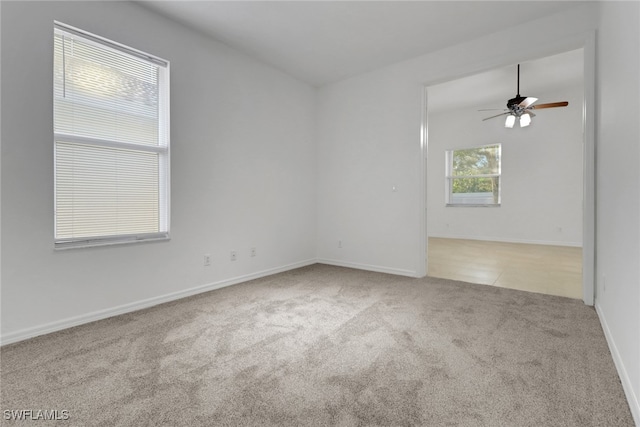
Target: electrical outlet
{"x": 252, "y": 252}
{"x": 234, "y": 255}
{"x": 207, "y": 260}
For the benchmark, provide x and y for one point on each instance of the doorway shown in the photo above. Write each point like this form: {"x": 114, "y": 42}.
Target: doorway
{"x": 533, "y": 240}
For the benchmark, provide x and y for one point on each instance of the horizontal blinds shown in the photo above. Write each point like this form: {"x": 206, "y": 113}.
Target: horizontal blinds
{"x": 104, "y": 191}
{"x": 111, "y": 150}
{"x": 103, "y": 93}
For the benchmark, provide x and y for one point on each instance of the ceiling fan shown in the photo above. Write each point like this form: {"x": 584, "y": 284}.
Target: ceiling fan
{"x": 521, "y": 107}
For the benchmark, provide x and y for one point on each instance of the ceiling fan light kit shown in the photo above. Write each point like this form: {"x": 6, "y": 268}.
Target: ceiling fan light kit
{"x": 511, "y": 120}
{"x": 521, "y": 107}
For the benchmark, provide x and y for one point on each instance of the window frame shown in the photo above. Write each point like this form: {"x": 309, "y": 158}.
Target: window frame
{"x": 162, "y": 148}
{"x": 450, "y": 177}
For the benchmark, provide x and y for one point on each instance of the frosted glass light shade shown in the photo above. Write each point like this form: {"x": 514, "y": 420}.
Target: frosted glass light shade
{"x": 511, "y": 120}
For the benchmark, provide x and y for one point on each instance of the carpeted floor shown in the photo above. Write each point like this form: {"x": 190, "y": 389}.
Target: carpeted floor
{"x": 326, "y": 345}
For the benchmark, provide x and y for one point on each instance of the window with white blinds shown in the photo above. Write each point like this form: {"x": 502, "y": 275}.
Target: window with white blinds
{"x": 111, "y": 141}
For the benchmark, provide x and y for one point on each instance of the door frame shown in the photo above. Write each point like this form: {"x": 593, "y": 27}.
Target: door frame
{"x": 586, "y": 41}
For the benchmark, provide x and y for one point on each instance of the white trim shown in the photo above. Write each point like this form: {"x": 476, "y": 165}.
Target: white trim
{"x": 368, "y": 267}
{"x": 632, "y": 399}
{"x": 422, "y": 263}
{"x": 589, "y": 172}
{"x": 70, "y": 322}
{"x": 92, "y": 242}
{"x": 164, "y": 105}
{"x": 471, "y": 205}
{"x": 97, "y": 40}
{"x": 509, "y": 240}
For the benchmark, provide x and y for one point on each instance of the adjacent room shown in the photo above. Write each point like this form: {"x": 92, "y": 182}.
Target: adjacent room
{"x": 217, "y": 213}
{"x": 520, "y": 224}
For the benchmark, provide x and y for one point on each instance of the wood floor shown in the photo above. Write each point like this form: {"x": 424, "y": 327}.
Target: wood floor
{"x": 553, "y": 270}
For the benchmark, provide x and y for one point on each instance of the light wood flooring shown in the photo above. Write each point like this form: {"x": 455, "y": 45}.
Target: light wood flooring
{"x": 553, "y": 270}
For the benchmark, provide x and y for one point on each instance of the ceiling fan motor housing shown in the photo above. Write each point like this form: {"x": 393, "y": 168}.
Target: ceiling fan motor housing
{"x": 514, "y": 105}
{"x": 514, "y": 102}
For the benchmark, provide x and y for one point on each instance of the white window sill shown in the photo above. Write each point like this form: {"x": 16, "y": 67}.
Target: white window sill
{"x": 471, "y": 205}
{"x": 90, "y": 243}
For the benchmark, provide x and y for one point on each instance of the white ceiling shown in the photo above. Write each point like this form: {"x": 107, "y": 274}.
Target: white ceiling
{"x": 492, "y": 89}
{"x": 320, "y": 42}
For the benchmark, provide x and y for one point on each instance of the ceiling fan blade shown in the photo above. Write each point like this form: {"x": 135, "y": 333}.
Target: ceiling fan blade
{"x": 526, "y": 103}
{"x": 550, "y": 105}
{"x": 497, "y": 115}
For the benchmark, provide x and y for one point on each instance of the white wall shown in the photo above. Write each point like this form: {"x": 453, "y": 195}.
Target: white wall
{"x": 367, "y": 145}
{"x": 243, "y": 172}
{"x": 369, "y": 141}
{"x": 618, "y": 189}
{"x": 541, "y": 174}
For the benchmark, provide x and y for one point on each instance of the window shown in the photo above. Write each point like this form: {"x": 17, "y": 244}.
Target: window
{"x": 111, "y": 141}
{"x": 473, "y": 176}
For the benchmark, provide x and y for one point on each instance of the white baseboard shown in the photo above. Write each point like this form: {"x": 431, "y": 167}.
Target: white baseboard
{"x": 627, "y": 386}
{"x": 508, "y": 240}
{"x": 368, "y": 267}
{"x": 58, "y": 325}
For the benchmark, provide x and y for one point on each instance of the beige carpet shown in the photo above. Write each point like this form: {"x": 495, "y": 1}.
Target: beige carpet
{"x": 325, "y": 345}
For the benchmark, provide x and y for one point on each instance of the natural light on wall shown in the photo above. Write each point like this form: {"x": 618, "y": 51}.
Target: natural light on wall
{"x": 111, "y": 133}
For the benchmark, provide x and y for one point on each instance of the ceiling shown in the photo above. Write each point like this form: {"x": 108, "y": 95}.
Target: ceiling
{"x": 493, "y": 88}
{"x": 320, "y": 42}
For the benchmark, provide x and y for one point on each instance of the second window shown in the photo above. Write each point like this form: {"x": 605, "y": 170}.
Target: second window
{"x": 473, "y": 176}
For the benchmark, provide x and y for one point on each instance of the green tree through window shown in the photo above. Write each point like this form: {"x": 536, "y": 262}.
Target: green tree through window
{"x": 473, "y": 175}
